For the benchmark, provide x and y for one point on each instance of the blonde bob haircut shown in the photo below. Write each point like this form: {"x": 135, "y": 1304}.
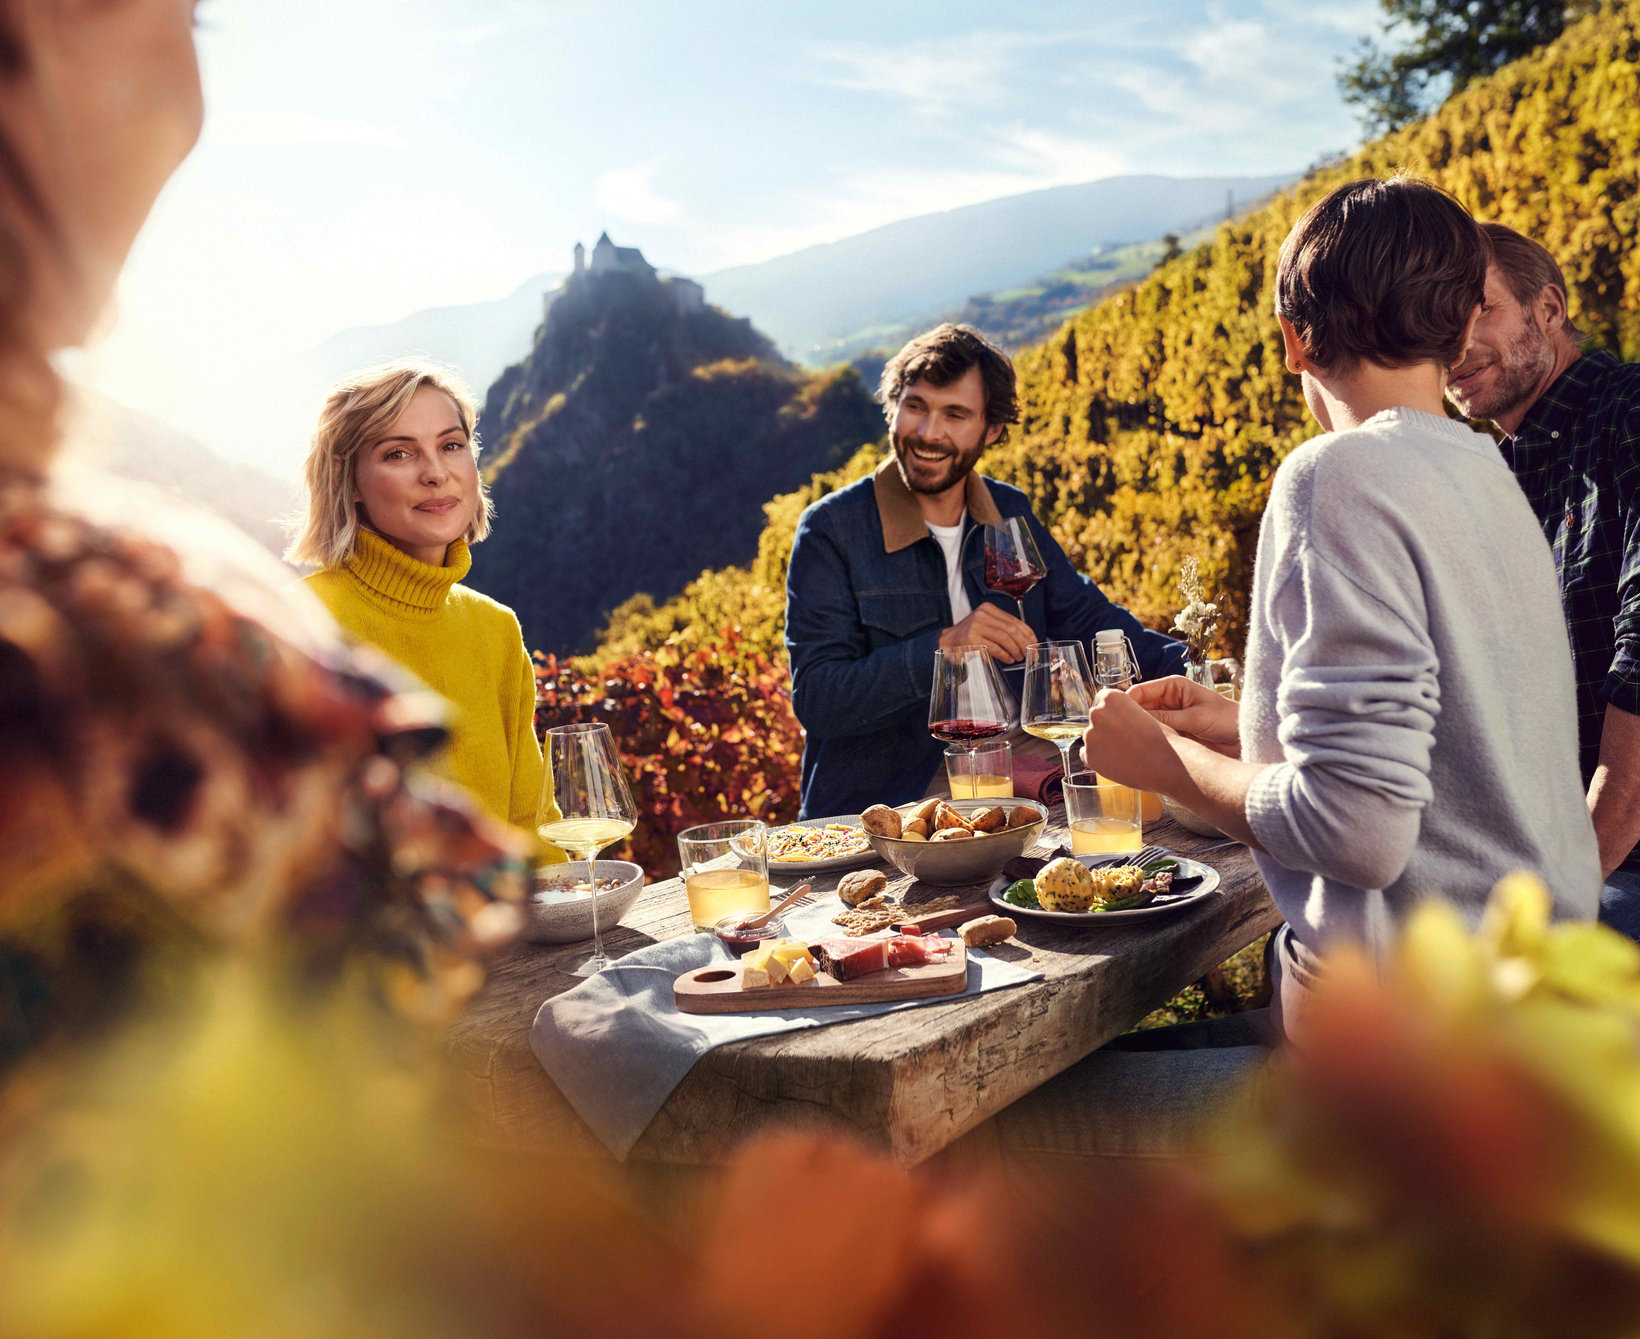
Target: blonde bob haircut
{"x": 358, "y": 413}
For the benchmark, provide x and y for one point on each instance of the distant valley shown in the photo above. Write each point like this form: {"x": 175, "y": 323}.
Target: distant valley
{"x": 827, "y": 303}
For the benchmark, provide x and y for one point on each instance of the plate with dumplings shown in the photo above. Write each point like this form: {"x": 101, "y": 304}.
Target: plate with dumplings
{"x": 953, "y": 842}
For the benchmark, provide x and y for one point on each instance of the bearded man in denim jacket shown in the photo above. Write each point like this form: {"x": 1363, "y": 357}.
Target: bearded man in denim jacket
{"x": 891, "y": 567}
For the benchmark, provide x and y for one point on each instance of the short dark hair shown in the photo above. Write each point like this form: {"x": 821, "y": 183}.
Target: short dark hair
{"x": 943, "y": 355}
{"x": 1526, "y": 266}
{"x": 1385, "y": 272}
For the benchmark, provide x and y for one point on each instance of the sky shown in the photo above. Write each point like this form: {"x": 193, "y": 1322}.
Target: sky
{"x": 364, "y": 159}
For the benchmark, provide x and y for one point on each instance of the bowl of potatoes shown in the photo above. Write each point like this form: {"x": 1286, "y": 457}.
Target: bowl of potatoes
{"x": 951, "y": 842}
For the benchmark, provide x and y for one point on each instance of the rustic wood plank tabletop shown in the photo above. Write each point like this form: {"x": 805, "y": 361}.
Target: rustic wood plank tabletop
{"x": 909, "y": 1082}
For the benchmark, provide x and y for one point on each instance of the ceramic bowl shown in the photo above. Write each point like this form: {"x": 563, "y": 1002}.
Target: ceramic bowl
{"x": 973, "y": 860}
{"x": 1189, "y": 819}
{"x": 561, "y": 918}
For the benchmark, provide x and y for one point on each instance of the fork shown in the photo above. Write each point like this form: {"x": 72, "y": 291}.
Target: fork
{"x": 1139, "y": 857}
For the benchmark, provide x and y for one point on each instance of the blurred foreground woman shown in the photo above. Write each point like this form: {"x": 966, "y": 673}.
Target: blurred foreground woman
{"x": 185, "y": 762}
{"x": 394, "y": 500}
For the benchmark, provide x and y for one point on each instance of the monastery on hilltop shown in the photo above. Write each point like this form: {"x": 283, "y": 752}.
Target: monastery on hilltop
{"x": 625, "y": 264}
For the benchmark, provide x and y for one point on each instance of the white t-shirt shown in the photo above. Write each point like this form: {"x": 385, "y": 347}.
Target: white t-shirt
{"x": 950, "y": 539}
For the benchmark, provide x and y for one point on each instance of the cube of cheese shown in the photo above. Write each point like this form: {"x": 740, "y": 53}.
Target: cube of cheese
{"x": 776, "y": 969}
{"x": 792, "y": 951}
{"x": 802, "y": 972}
{"x": 759, "y": 958}
{"x": 751, "y": 978}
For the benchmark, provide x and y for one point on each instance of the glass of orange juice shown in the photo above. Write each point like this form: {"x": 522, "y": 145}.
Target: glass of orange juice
{"x": 1150, "y": 803}
{"x": 725, "y": 870}
{"x": 1104, "y": 817}
{"x": 982, "y": 773}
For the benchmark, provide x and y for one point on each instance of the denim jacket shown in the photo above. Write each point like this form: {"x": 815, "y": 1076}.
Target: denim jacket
{"x": 866, "y": 601}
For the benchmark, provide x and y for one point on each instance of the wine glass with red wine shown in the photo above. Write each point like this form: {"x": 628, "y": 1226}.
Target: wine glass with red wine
{"x": 1013, "y": 564}
{"x": 969, "y": 703}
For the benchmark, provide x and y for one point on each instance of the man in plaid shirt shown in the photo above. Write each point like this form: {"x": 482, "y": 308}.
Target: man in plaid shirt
{"x": 1571, "y": 425}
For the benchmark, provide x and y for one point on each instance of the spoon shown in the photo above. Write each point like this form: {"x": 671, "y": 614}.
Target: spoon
{"x": 774, "y": 911}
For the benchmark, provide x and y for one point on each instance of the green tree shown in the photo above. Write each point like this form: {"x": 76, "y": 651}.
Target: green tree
{"x": 1443, "y": 46}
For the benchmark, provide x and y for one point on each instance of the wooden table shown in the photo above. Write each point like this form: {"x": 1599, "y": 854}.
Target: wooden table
{"x": 909, "y": 1082}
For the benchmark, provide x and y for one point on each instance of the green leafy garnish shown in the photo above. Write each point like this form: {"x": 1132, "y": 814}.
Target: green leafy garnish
{"x": 1124, "y": 903}
{"x": 1161, "y": 865}
{"x": 1023, "y": 894}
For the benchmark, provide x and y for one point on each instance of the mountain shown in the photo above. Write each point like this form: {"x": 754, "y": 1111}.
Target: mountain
{"x": 1153, "y": 422}
{"x": 828, "y": 302}
{"x": 636, "y": 444}
{"x": 113, "y": 437}
{"x": 479, "y": 340}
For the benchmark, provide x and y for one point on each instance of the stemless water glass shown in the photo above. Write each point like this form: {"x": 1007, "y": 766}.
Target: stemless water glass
{"x": 984, "y": 772}
{"x": 969, "y": 703}
{"x": 1103, "y": 817}
{"x": 1058, "y": 695}
{"x": 1013, "y": 564}
{"x": 596, "y": 807}
{"x": 725, "y": 870}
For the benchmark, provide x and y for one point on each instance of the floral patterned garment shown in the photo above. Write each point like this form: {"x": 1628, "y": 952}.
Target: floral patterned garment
{"x": 173, "y": 771}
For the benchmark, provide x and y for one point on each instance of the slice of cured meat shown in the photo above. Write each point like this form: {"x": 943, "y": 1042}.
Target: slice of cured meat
{"x": 915, "y": 950}
{"x": 846, "y": 959}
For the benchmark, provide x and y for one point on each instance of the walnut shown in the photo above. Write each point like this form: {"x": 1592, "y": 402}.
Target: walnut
{"x": 881, "y": 821}
{"x": 990, "y": 820}
{"x": 855, "y": 888}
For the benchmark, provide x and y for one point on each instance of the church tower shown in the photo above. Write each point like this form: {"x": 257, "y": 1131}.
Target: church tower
{"x": 580, "y": 259}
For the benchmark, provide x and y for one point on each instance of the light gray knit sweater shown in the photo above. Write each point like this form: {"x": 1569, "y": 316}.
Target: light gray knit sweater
{"x": 1408, "y": 672}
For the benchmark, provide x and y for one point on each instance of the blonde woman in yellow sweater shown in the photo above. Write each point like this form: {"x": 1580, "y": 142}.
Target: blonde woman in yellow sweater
{"x": 394, "y": 500}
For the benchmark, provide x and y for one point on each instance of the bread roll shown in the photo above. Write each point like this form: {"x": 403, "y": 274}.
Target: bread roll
{"x": 986, "y": 930}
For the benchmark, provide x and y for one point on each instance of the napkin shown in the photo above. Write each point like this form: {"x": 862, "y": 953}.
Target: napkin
{"x": 616, "y": 1045}
{"x": 1039, "y": 779}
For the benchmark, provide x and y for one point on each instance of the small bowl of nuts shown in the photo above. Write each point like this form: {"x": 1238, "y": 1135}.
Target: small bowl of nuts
{"x": 560, "y": 909}
{"x": 952, "y": 842}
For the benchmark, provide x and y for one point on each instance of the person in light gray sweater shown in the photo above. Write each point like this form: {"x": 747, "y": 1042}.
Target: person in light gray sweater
{"x": 1408, "y": 723}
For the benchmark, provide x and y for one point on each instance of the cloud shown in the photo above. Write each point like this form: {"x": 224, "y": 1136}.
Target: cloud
{"x": 626, "y": 192}
{"x": 932, "y": 77}
{"x": 260, "y": 130}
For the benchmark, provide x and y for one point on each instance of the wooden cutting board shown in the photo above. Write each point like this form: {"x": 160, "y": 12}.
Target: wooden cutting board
{"x": 717, "y": 989}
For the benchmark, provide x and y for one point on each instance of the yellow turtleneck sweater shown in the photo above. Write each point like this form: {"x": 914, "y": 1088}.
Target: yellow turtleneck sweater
{"x": 462, "y": 645}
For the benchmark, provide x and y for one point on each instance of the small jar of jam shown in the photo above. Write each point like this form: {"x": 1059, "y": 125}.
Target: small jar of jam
{"x": 739, "y": 940}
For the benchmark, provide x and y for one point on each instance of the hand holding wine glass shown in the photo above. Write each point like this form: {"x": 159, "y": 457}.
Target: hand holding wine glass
{"x": 596, "y": 804}
{"x": 969, "y": 703}
{"x": 993, "y": 628}
{"x": 1013, "y": 564}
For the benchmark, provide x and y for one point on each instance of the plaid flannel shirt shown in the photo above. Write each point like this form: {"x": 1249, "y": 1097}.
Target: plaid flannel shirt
{"x": 1577, "y": 456}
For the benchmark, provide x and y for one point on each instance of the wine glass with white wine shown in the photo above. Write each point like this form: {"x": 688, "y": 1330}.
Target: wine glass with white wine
{"x": 596, "y": 807}
{"x": 1057, "y": 695}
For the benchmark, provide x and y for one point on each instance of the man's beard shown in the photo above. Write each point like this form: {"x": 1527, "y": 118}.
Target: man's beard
{"x": 1520, "y": 367}
{"x": 926, "y": 477}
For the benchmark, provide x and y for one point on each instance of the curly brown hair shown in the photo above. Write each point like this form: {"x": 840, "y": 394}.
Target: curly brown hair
{"x": 943, "y": 355}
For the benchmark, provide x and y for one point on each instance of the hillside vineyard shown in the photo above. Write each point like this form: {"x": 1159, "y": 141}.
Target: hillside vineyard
{"x": 1154, "y": 421}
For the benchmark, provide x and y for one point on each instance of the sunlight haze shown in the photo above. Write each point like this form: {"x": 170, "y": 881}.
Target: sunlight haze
{"x": 364, "y": 161}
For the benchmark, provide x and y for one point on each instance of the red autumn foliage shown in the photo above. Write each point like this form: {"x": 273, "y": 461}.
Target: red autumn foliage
{"x": 705, "y": 733}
